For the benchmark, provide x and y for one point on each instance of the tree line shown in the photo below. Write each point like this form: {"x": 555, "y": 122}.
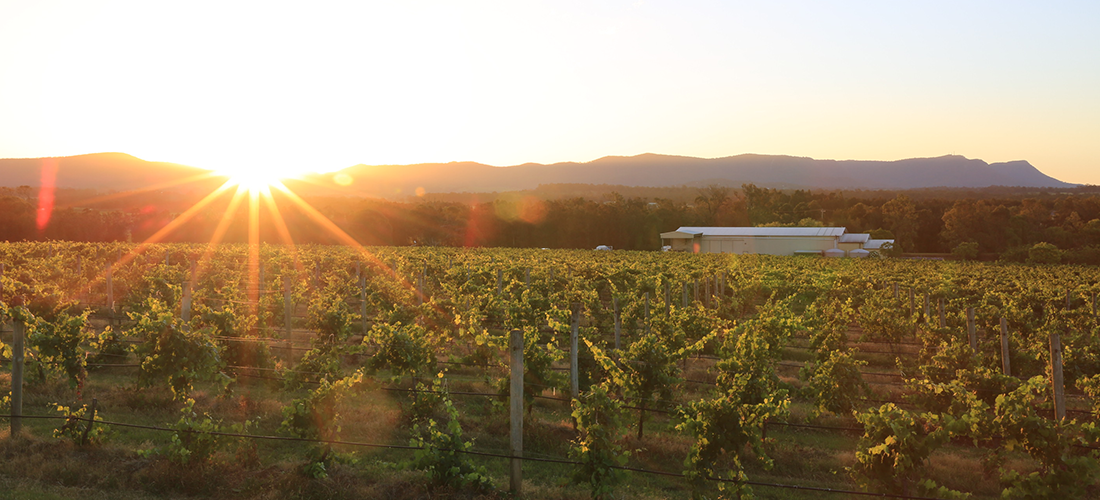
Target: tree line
{"x": 1004, "y": 223}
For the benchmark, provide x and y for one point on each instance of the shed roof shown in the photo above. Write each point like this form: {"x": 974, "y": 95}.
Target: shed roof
{"x": 763, "y": 231}
{"x": 680, "y": 234}
{"x": 855, "y": 237}
{"x": 876, "y": 244}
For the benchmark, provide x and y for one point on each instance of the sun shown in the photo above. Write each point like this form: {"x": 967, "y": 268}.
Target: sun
{"x": 257, "y": 170}
{"x": 255, "y": 178}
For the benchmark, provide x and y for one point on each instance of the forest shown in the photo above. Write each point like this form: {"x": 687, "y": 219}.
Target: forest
{"x": 1000, "y": 223}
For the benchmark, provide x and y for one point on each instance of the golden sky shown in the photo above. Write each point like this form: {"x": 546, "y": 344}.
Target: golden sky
{"x": 318, "y": 86}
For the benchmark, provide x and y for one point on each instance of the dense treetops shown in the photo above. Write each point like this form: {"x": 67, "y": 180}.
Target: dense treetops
{"x": 1004, "y": 221}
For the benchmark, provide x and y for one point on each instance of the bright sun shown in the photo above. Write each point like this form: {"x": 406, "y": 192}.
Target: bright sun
{"x": 255, "y": 178}
{"x": 256, "y": 172}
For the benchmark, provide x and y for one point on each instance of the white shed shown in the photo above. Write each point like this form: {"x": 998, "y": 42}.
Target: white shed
{"x": 746, "y": 240}
{"x": 682, "y": 240}
{"x": 852, "y": 241}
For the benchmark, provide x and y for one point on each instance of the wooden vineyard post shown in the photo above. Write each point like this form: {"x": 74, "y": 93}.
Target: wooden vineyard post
{"x": 1006, "y": 363}
{"x": 167, "y": 258}
{"x": 1068, "y": 300}
{"x": 420, "y": 289}
{"x": 668, "y": 299}
{"x": 706, "y": 292}
{"x": 618, "y": 322}
{"x": 943, "y": 315}
{"x": 696, "y": 299}
{"x": 647, "y": 313}
{"x": 912, "y": 303}
{"x": 1093, "y": 300}
{"x": 927, "y": 309}
{"x": 895, "y": 291}
{"x": 363, "y": 301}
{"x": 722, "y": 285}
{"x": 1056, "y": 376}
{"x": 17, "y": 377}
{"x": 527, "y": 279}
{"x": 287, "y": 312}
{"x": 194, "y": 270}
{"x": 185, "y": 303}
{"x": 971, "y": 330}
{"x": 574, "y": 378}
{"x": 515, "y": 406}
{"x": 91, "y": 421}
{"x": 684, "y": 301}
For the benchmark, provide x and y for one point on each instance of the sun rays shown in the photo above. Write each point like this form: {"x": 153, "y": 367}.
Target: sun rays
{"x": 256, "y": 190}
{"x": 254, "y": 200}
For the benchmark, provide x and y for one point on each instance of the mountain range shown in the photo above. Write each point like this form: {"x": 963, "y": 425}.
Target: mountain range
{"x": 121, "y": 172}
{"x": 106, "y": 172}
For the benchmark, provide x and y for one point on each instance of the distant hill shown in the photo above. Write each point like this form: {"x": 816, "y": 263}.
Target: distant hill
{"x": 104, "y": 171}
{"x": 117, "y": 171}
{"x": 651, "y": 170}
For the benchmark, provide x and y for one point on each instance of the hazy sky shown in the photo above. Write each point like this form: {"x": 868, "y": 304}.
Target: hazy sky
{"x": 324, "y": 85}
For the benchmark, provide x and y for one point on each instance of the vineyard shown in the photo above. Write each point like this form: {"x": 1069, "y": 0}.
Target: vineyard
{"x": 331, "y": 372}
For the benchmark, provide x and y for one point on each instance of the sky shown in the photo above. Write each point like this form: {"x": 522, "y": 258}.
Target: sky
{"x": 318, "y": 86}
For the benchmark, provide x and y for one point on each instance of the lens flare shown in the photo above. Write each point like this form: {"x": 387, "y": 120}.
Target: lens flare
{"x": 46, "y": 193}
